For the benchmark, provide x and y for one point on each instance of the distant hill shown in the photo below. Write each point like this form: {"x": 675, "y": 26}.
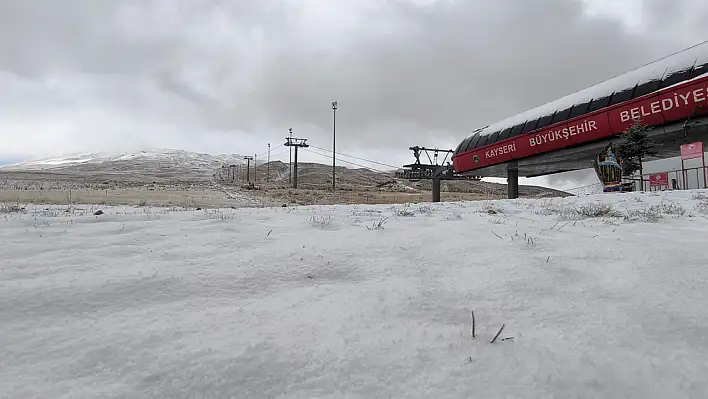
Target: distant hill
{"x": 146, "y": 165}
{"x": 166, "y": 157}
{"x": 8, "y": 161}
{"x": 178, "y": 166}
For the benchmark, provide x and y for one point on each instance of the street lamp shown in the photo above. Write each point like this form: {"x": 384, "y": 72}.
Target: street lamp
{"x": 334, "y": 141}
{"x": 290, "y": 169}
{"x": 268, "y": 168}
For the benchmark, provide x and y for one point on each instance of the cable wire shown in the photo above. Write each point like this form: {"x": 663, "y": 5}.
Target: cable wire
{"x": 352, "y": 156}
{"x": 266, "y": 153}
{"x": 341, "y": 160}
{"x": 279, "y": 154}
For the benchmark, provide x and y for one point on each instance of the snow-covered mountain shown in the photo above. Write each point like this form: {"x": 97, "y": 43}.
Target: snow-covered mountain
{"x": 160, "y": 157}
{"x": 149, "y": 165}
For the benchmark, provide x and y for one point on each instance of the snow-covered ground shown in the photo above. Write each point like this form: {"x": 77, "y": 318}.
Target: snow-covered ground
{"x": 359, "y": 301}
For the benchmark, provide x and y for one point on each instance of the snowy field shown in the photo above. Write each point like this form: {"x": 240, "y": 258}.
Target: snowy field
{"x": 598, "y": 301}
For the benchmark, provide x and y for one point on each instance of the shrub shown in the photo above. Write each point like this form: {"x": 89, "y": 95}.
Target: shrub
{"x": 11, "y": 208}
{"x": 650, "y": 214}
{"x": 404, "y": 211}
{"x": 454, "y": 216}
{"x": 378, "y": 225}
{"x": 321, "y": 221}
{"x": 598, "y": 211}
{"x": 672, "y": 209}
{"x": 489, "y": 207}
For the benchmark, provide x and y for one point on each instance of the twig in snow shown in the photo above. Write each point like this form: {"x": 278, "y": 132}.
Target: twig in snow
{"x": 497, "y": 336}
{"x": 547, "y": 259}
{"x": 498, "y": 236}
{"x": 554, "y": 226}
{"x": 507, "y": 339}
{"x": 267, "y": 235}
{"x": 473, "y": 324}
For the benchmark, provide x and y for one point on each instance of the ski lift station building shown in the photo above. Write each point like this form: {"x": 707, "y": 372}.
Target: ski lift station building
{"x": 670, "y": 94}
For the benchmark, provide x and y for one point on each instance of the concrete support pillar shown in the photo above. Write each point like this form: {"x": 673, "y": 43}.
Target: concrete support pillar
{"x": 295, "y": 170}
{"x": 436, "y": 190}
{"x": 512, "y": 182}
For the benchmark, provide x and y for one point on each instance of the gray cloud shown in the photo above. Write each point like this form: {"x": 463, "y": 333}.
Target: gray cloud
{"x": 229, "y": 76}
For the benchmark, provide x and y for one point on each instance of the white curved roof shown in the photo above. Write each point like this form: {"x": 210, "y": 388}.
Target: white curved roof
{"x": 681, "y": 61}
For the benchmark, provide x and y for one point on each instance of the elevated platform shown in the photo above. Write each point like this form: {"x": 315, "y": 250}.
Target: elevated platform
{"x": 566, "y": 134}
{"x": 668, "y": 139}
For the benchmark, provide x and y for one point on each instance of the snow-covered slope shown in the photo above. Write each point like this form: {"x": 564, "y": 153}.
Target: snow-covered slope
{"x": 167, "y": 156}
{"x": 600, "y": 297}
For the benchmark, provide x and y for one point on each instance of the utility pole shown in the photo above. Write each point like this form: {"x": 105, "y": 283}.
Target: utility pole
{"x": 334, "y": 141}
{"x": 297, "y": 143}
{"x": 248, "y": 168}
{"x": 255, "y": 168}
{"x": 290, "y": 170}
{"x": 232, "y": 172}
{"x": 268, "y": 168}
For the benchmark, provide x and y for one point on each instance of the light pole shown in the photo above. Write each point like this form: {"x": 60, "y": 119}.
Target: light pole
{"x": 248, "y": 169}
{"x": 334, "y": 142}
{"x": 268, "y": 168}
{"x": 290, "y": 170}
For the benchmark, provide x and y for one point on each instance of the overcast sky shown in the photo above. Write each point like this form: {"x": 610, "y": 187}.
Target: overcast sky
{"x": 231, "y": 76}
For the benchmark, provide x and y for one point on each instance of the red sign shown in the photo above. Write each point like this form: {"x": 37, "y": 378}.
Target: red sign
{"x": 659, "y": 179}
{"x": 668, "y": 105}
{"x": 692, "y": 150}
